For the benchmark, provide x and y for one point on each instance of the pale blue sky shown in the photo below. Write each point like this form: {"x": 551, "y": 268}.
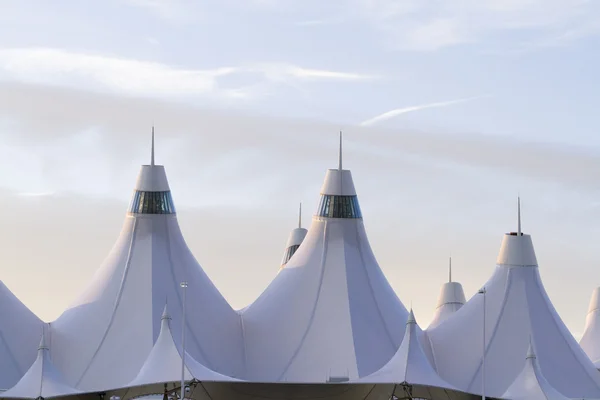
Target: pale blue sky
{"x": 494, "y": 97}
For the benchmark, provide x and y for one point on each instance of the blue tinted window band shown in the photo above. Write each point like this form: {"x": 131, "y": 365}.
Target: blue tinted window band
{"x": 332, "y": 206}
{"x": 289, "y": 252}
{"x": 152, "y": 203}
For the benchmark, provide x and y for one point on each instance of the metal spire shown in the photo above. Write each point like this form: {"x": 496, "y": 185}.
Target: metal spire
{"x": 340, "y": 156}
{"x": 450, "y": 270}
{"x": 152, "y": 151}
{"x": 519, "y": 216}
{"x": 300, "y": 216}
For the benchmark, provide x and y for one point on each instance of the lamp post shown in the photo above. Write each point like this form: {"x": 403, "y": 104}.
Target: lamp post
{"x": 184, "y": 286}
{"x": 483, "y": 292}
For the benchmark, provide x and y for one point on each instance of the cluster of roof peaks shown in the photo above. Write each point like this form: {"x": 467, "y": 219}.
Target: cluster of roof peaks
{"x": 329, "y": 317}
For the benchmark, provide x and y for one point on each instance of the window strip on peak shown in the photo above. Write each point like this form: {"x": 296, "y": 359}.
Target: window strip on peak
{"x": 334, "y": 206}
{"x": 144, "y": 202}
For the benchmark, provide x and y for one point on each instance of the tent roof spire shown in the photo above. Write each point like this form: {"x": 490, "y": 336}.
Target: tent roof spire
{"x": 519, "y": 216}
{"x": 450, "y": 270}
{"x": 300, "y": 216}
{"x": 152, "y": 148}
{"x": 340, "y": 155}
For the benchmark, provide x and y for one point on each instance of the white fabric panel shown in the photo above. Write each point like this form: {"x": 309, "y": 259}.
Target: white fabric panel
{"x": 19, "y": 335}
{"x": 409, "y": 364}
{"x": 590, "y": 341}
{"x": 517, "y": 307}
{"x": 152, "y": 178}
{"x": 42, "y": 379}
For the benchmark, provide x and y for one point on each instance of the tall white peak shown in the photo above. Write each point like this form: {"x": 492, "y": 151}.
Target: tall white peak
{"x": 517, "y": 308}
{"x": 590, "y": 341}
{"x": 330, "y": 314}
{"x": 103, "y": 339}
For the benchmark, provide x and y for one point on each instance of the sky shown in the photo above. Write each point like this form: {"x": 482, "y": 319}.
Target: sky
{"x": 450, "y": 109}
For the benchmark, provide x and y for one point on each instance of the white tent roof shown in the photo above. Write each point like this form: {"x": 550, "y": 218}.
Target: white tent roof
{"x": 517, "y": 307}
{"x": 42, "y": 379}
{"x": 450, "y": 300}
{"x": 531, "y": 384}
{"x": 164, "y": 362}
{"x": 590, "y": 341}
{"x": 19, "y": 335}
{"x": 330, "y": 313}
{"x": 410, "y": 364}
{"x": 103, "y": 339}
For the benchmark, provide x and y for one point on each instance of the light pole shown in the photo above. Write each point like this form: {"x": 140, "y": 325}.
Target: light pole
{"x": 184, "y": 286}
{"x": 483, "y": 292}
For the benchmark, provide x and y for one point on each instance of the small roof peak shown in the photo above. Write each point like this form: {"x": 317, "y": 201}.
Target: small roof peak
{"x": 340, "y": 155}
{"x": 411, "y": 317}
{"x": 43, "y": 345}
{"x": 165, "y": 314}
{"x": 152, "y": 147}
{"x": 530, "y": 351}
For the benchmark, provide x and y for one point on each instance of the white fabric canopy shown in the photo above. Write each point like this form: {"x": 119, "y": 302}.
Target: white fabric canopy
{"x": 103, "y": 340}
{"x": 590, "y": 341}
{"x": 330, "y": 313}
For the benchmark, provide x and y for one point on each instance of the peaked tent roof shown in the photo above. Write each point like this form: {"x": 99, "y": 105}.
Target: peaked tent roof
{"x": 330, "y": 313}
{"x": 410, "y": 364}
{"x": 42, "y": 379}
{"x": 517, "y": 308}
{"x": 19, "y": 335}
{"x": 590, "y": 341}
{"x": 164, "y": 362}
{"x": 450, "y": 300}
{"x": 118, "y": 315}
{"x": 531, "y": 384}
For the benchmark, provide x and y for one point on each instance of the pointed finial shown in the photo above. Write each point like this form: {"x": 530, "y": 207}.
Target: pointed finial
{"x": 450, "y": 270}
{"x": 152, "y": 150}
{"x": 340, "y": 155}
{"x": 411, "y": 317}
{"x": 300, "y": 216}
{"x": 43, "y": 345}
{"x": 519, "y": 216}
{"x": 165, "y": 314}
{"x": 530, "y": 352}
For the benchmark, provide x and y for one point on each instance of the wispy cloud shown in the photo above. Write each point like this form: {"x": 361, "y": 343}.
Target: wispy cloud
{"x": 399, "y": 111}
{"x": 147, "y": 78}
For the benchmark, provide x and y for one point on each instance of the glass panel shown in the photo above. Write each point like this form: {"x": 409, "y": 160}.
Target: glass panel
{"x": 151, "y": 203}
{"x": 289, "y": 253}
{"x": 332, "y": 206}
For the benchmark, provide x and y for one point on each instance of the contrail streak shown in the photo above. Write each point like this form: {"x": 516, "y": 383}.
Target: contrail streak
{"x": 398, "y": 111}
